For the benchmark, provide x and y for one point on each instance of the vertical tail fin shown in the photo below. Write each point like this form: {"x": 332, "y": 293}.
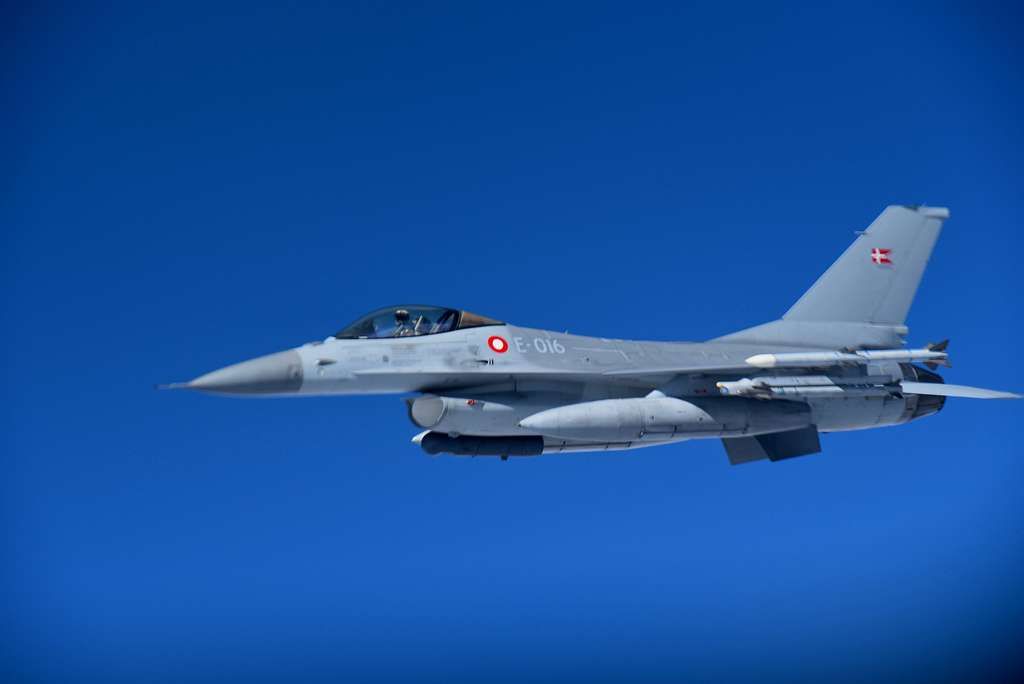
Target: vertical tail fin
{"x": 876, "y": 278}
{"x": 862, "y": 300}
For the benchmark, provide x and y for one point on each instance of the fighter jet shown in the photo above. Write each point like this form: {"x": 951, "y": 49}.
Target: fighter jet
{"x": 478, "y": 386}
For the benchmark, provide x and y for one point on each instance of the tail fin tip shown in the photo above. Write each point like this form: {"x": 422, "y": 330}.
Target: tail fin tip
{"x": 929, "y": 212}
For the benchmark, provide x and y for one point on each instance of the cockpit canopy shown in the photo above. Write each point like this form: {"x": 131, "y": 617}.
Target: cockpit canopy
{"x": 411, "y": 321}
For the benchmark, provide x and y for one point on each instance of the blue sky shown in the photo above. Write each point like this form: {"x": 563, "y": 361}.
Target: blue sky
{"x": 186, "y": 187}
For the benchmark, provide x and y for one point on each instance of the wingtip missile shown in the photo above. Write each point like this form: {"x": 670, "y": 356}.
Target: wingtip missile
{"x": 835, "y": 358}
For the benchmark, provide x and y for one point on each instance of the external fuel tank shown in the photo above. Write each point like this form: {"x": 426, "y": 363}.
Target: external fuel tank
{"x": 660, "y": 418}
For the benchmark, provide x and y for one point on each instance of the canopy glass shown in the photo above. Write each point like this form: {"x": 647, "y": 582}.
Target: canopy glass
{"x": 411, "y": 321}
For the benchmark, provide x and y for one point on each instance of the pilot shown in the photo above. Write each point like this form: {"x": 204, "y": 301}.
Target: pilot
{"x": 403, "y": 328}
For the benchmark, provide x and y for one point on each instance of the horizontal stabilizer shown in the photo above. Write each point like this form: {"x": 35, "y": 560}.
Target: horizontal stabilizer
{"x": 943, "y": 390}
{"x": 774, "y": 446}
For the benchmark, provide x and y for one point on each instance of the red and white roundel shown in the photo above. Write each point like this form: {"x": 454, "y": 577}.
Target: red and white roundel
{"x": 497, "y": 344}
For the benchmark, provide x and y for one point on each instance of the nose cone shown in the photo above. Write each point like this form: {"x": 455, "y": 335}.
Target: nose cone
{"x": 278, "y": 373}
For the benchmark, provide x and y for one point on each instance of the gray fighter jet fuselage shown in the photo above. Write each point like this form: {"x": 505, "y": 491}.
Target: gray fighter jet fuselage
{"x": 836, "y": 361}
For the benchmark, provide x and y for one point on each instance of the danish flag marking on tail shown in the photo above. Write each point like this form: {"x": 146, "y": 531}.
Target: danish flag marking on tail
{"x": 881, "y": 256}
